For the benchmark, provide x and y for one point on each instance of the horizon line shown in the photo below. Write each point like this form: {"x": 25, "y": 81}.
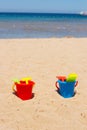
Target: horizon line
{"x": 40, "y": 12}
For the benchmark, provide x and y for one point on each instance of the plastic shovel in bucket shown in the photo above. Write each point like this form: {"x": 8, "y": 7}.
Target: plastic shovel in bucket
{"x": 23, "y": 90}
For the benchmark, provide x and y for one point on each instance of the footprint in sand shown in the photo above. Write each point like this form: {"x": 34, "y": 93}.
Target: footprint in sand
{"x": 83, "y": 117}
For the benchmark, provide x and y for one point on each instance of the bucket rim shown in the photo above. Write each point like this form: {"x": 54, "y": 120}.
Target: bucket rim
{"x": 64, "y": 82}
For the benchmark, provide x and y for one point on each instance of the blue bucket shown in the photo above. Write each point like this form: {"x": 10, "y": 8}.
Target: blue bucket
{"x": 66, "y": 89}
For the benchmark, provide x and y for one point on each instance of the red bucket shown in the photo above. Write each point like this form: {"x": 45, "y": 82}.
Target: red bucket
{"x": 23, "y": 90}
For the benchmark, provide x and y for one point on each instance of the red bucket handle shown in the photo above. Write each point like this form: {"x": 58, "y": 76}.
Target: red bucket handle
{"x": 13, "y": 88}
{"x": 57, "y": 86}
{"x": 76, "y": 83}
{"x": 23, "y": 82}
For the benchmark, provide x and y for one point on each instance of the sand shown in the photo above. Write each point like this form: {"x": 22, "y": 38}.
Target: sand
{"x": 43, "y": 60}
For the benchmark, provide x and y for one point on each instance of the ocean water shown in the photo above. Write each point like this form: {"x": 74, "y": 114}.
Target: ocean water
{"x": 42, "y": 25}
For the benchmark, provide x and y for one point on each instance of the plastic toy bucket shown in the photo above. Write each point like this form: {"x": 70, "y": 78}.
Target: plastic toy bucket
{"x": 66, "y": 89}
{"x": 23, "y": 90}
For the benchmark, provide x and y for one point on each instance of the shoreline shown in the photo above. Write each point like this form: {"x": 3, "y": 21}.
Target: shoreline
{"x": 44, "y": 38}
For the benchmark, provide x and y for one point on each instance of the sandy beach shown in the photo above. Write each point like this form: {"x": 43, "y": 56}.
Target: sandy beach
{"x": 43, "y": 60}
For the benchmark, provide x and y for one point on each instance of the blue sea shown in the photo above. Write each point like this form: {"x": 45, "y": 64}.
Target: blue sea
{"x": 42, "y": 25}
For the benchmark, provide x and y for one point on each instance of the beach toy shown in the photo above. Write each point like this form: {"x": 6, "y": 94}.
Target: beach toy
{"x": 62, "y": 78}
{"x": 26, "y": 79}
{"x": 23, "y": 90}
{"x": 65, "y": 86}
{"x": 71, "y": 77}
{"x": 66, "y": 89}
{"x": 16, "y": 80}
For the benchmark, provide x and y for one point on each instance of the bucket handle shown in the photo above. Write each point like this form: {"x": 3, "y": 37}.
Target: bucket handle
{"x": 57, "y": 86}
{"x": 13, "y": 88}
{"x": 76, "y": 83}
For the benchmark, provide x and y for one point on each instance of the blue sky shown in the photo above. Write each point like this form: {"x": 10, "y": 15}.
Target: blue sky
{"x": 69, "y": 6}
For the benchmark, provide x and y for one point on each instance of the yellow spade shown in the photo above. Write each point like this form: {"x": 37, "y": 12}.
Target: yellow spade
{"x": 71, "y": 77}
{"x": 16, "y": 81}
{"x": 26, "y": 79}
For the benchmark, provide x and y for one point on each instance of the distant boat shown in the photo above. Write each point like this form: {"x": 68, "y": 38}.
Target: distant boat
{"x": 83, "y": 13}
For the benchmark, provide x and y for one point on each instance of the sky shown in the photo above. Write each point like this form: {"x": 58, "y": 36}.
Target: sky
{"x": 64, "y": 6}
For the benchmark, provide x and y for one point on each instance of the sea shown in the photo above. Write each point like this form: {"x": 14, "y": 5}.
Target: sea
{"x": 42, "y": 25}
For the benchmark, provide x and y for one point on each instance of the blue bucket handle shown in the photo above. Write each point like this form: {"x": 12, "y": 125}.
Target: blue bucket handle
{"x": 57, "y": 86}
{"x": 76, "y": 83}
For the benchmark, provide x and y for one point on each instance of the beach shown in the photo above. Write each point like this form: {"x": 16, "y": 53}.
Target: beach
{"x": 43, "y": 59}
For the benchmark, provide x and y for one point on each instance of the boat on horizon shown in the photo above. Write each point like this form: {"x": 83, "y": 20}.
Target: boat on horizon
{"x": 83, "y": 13}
